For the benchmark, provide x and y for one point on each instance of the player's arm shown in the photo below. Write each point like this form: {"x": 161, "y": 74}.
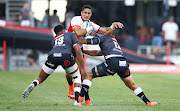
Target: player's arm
{"x": 93, "y": 52}
{"x": 110, "y": 30}
{"x": 92, "y": 41}
{"x": 80, "y": 58}
{"x": 81, "y": 32}
{"x": 177, "y": 36}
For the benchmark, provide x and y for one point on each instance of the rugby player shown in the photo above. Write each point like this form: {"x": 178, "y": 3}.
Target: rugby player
{"x": 115, "y": 62}
{"x": 61, "y": 54}
{"x": 75, "y": 26}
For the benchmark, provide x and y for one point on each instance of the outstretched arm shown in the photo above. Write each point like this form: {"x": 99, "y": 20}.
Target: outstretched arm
{"x": 110, "y": 30}
{"x": 93, "y": 52}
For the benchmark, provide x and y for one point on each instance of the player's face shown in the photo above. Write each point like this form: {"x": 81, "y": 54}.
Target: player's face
{"x": 86, "y": 14}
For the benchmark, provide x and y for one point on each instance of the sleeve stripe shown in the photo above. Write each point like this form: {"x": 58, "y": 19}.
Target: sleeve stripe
{"x": 98, "y": 30}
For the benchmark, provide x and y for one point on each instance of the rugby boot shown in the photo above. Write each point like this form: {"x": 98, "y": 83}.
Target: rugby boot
{"x": 71, "y": 96}
{"x": 81, "y": 99}
{"x": 28, "y": 90}
{"x": 71, "y": 91}
{"x": 77, "y": 103}
{"x": 88, "y": 102}
{"x": 151, "y": 103}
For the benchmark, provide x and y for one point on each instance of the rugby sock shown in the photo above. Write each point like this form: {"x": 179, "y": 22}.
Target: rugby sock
{"x": 35, "y": 82}
{"x": 70, "y": 82}
{"x": 139, "y": 92}
{"x": 77, "y": 91}
{"x": 85, "y": 87}
{"x": 87, "y": 95}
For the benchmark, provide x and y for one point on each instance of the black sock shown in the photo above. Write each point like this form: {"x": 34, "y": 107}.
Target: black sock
{"x": 70, "y": 82}
{"x": 87, "y": 95}
{"x": 84, "y": 90}
{"x": 143, "y": 97}
{"x": 35, "y": 83}
{"x": 76, "y": 96}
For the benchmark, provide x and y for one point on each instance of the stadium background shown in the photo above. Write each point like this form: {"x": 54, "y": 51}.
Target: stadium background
{"x": 150, "y": 71}
{"x": 23, "y": 41}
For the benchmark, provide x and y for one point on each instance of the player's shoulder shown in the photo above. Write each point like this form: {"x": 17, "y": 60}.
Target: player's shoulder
{"x": 70, "y": 34}
{"x": 76, "y": 18}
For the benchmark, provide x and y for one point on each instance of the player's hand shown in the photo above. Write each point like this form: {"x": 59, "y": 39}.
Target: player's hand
{"x": 118, "y": 25}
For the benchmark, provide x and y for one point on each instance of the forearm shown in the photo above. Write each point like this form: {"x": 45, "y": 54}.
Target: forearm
{"x": 93, "y": 52}
{"x": 110, "y": 30}
{"x": 177, "y": 35}
{"x": 92, "y": 41}
{"x": 80, "y": 32}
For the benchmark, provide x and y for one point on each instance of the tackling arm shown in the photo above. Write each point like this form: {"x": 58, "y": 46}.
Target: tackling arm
{"x": 93, "y": 52}
{"x": 92, "y": 41}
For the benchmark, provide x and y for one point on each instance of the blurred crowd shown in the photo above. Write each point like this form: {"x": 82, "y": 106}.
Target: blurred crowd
{"x": 160, "y": 33}
{"x": 26, "y": 18}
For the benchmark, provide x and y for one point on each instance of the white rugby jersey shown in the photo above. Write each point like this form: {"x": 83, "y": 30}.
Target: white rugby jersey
{"x": 77, "y": 21}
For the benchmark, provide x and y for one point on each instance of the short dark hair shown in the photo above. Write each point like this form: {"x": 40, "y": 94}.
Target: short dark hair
{"x": 58, "y": 28}
{"x": 87, "y": 6}
{"x": 55, "y": 11}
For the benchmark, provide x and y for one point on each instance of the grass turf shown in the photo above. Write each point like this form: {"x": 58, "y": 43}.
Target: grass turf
{"x": 107, "y": 93}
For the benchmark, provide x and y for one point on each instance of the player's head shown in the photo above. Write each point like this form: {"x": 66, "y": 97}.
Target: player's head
{"x": 171, "y": 19}
{"x": 86, "y": 12}
{"x": 59, "y": 29}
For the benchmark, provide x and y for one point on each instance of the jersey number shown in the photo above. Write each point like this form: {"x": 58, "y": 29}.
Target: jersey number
{"x": 59, "y": 41}
{"x": 115, "y": 43}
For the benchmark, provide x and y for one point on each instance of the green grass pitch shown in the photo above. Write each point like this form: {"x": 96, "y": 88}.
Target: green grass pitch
{"x": 107, "y": 93}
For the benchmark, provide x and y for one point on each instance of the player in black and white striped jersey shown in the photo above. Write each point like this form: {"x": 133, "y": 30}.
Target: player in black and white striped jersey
{"x": 115, "y": 62}
{"x": 61, "y": 53}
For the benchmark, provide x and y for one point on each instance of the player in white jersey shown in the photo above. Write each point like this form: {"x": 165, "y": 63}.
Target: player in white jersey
{"x": 75, "y": 26}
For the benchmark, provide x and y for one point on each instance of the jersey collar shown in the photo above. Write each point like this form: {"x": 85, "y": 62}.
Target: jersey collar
{"x": 83, "y": 20}
{"x": 58, "y": 35}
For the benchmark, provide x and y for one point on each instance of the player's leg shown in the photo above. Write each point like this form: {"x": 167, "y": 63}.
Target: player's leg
{"x": 123, "y": 71}
{"x": 87, "y": 98}
{"x": 85, "y": 88}
{"x": 44, "y": 73}
{"x": 74, "y": 72}
{"x": 98, "y": 71}
{"x": 137, "y": 90}
{"x": 70, "y": 86}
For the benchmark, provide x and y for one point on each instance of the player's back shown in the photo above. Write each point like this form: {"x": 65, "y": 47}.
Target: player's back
{"x": 63, "y": 43}
{"x": 110, "y": 46}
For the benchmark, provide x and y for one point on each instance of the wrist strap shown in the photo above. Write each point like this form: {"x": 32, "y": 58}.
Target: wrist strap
{"x": 112, "y": 26}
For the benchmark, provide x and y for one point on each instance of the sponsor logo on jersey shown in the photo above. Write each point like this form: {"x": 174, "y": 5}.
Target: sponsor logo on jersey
{"x": 57, "y": 54}
{"x": 127, "y": 72}
{"x": 122, "y": 63}
{"x": 66, "y": 62}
